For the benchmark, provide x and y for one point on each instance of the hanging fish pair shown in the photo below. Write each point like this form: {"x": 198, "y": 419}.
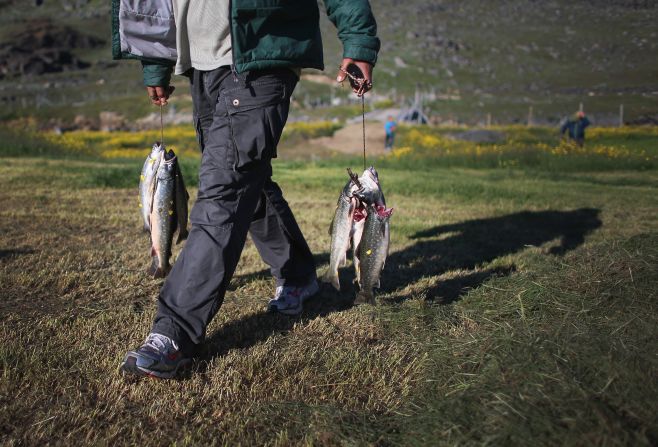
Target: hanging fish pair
{"x": 163, "y": 203}
{"x": 361, "y": 220}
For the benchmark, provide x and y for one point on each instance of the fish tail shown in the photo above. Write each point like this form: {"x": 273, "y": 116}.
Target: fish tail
{"x": 161, "y": 272}
{"x": 153, "y": 267}
{"x": 182, "y": 235}
{"x": 331, "y": 277}
{"x": 365, "y": 297}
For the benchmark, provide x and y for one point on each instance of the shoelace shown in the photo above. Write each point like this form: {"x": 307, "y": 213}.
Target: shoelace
{"x": 160, "y": 343}
{"x": 287, "y": 292}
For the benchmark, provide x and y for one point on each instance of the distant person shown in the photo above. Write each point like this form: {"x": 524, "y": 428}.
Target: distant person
{"x": 576, "y": 127}
{"x": 389, "y": 127}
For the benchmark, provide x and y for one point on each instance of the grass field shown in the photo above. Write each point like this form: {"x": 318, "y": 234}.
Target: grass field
{"x": 518, "y": 304}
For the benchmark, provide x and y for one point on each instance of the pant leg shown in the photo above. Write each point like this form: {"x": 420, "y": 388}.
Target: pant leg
{"x": 279, "y": 240}
{"x": 239, "y": 143}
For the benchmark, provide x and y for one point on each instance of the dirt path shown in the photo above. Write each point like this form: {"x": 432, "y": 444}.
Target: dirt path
{"x": 349, "y": 139}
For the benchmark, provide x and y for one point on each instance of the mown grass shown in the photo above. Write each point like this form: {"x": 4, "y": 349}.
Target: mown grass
{"x": 517, "y": 306}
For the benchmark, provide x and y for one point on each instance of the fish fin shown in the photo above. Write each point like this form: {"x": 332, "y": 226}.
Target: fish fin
{"x": 357, "y": 270}
{"x": 181, "y": 208}
{"x": 153, "y": 252}
{"x": 364, "y": 297}
{"x": 147, "y": 228}
{"x": 331, "y": 225}
{"x": 153, "y": 267}
{"x": 182, "y": 235}
{"x": 332, "y": 278}
{"x": 161, "y": 272}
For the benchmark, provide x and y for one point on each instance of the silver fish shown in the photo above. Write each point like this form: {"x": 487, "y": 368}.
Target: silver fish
{"x": 372, "y": 252}
{"x": 340, "y": 230}
{"x": 163, "y": 216}
{"x": 147, "y": 183}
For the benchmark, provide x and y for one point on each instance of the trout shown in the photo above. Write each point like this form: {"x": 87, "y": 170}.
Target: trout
{"x": 372, "y": 252}
{"x": 147, "y": 183}
{"x": 341, "y": 230}
{"x": 163, "y": 219}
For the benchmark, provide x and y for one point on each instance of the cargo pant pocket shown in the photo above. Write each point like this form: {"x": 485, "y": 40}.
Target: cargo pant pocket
{"x": 257, "y": 114}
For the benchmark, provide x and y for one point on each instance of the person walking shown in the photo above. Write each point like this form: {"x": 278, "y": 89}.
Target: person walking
{"x": 575, "y": 128}
{"x": 389, "y": 128}
{"x": 243, "y": 60}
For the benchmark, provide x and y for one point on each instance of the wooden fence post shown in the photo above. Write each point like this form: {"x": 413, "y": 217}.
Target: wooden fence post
{"x": 621, "y": 115}
{"x": 530, "y": 116}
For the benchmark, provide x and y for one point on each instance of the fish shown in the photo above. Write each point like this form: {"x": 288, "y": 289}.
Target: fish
{"x": 147, "y": 183}
{"x": 168, "y": 213}
{"x": 372, "y": 251}
{"x": 182, "y": 198}
{"x": 369, "y": 193}
{"x": 341, "y": 230}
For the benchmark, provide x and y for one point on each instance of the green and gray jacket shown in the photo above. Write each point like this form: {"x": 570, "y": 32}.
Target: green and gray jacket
{"x": 264, "y": 34}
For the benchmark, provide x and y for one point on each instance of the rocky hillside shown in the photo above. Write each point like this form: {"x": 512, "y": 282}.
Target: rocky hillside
{"x": 470, "y": 59}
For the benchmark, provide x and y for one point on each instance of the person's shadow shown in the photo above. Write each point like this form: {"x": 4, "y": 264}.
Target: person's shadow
{"x": 460, "y": 247}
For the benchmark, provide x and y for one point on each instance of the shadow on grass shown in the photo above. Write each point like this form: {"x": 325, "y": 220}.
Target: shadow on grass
{"x": 461, "y": 246}
{"x": 14, "y": 252}
{"x": 466, "y": 245}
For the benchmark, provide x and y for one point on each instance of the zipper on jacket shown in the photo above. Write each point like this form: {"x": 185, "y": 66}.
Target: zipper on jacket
{"x": 234, "y": 71}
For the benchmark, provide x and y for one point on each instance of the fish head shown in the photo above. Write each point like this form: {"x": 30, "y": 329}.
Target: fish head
{"x": 167, "y": 169}
{"x": 158, "y": 148}
{"x": 349, "y": 189}
{"x": 371, "y": 191}
{"x": 370, "y": 179}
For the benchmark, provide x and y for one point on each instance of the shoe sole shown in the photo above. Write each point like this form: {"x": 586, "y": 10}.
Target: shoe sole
{"x": 297, "y": 310}
{"x": 129, "y": 367}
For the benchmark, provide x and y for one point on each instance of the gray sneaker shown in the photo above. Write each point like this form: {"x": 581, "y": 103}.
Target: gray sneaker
{"x": 289, "y": 300}
{"x": 159, "y": 356}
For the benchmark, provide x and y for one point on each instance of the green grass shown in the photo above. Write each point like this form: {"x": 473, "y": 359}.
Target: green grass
{"x": 517, "y": 307}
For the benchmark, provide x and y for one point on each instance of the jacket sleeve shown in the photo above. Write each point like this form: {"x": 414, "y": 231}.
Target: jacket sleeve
{"x": 146, "y": 30}
{"x": 357, "y": 28}
{"x": 156, "y": 74}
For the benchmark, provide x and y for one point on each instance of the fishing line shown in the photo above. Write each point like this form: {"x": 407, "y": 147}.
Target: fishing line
{"x": 363, "y": 120}
{"x": 161, "y": 127}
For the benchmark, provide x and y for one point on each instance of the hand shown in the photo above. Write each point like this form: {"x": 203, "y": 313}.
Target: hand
{"x": 366, "y": 69}
{"x": 159, "y": 95}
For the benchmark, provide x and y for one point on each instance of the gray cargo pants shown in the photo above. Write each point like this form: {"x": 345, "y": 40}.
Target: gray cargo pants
{"x": 239, "y": 120}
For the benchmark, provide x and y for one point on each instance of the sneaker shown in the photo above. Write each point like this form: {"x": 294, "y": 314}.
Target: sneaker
{"x": 159, "y": 356}
{"x": 289, "y": 300}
